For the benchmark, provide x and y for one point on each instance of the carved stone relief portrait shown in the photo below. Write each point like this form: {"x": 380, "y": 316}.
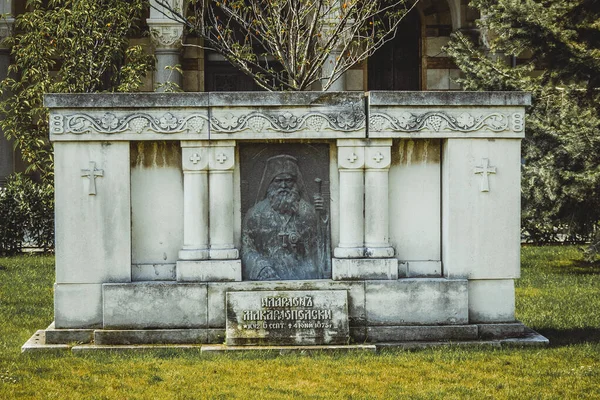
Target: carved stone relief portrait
{"x": 285, "y": 212}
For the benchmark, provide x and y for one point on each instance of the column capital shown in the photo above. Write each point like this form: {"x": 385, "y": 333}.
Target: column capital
{"x": 378, "y": 157}
{"x": 222, "y": 158}
{"x": 165, "y": 33}
{"x": 351, "y": 158}
{"x": 194, "y": 159}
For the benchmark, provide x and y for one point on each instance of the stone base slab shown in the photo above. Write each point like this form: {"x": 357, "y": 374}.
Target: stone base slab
{"x": 209, "y": 271}
{"x": 496, "y": 331}
{"x": 417, "y": 302}
{"x": 158, "y": 336}
{"x": 37, "y": 344}
{"x": 364, "y": 269}
{"x": 67, "y": 336}
{"x": 291, "y": 349}
{"x": 154, "y": 305}
{"x": 421, "y": 333}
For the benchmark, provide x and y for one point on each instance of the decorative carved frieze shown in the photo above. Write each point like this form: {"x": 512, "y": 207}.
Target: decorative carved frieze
{"x": 110, "y": 123}
{"x": 288, "y": 122}
{"x": 439, "y": 121}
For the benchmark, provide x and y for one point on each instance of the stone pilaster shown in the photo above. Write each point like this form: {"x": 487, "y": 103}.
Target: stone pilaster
{"x": 195, "y": 201}
{"x": 208, "y": 254}
{"x": 351, "y": 161}
{"x": 364, "y": 251}
{"x": 221, "y": 163}
{"x": 377, "y": 167}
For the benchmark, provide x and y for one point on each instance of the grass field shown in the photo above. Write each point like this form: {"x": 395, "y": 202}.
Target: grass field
{"x": 558, "y": 295}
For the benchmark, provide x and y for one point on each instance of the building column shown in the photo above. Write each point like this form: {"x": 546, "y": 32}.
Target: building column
{"x": 208, "y": 254}
{"x": 377, "y": 165}
{"x": 351, "y": 161}
{"x": 167, "y": 37}
{"x": 364, "y": 251}
{"x": 6, "y": 146}
{"x": 194, "y": 157}
{"x": 221, "y": 163}
{"x": 339, "y": 85}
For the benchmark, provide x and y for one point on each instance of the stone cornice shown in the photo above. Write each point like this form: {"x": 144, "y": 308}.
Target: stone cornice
{"x": 268, "y": 116}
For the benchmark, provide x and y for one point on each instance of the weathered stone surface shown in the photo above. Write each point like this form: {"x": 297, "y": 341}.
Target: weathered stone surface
{"x": 362, "y": 269}
{"x": 491, "y": 301}
{"x": 93, "y": 212}
{"x": 209, "y": 271}
{"x": 156, "y": 202}
{"x": 153, "y": 272}
{"x": 414, "y": 198}
{"x": 37, "y": 344}
{"x": 426, "y": 301}
{"x": 216, "y": 296}
{"x": 427, "y": 345}
{"x": 427, "y": 98}
{"x": 67, "y": 336}
{"x": 154, "y": 305}
{"x": 77, "y": 305}
{"x": 291, "y": 349}
{"x": 135, "y": 348}
{"x": 287, "y": 318}
{"x": 125, "y": 100}
{"x": 530, "y": 338}
{"x": 151, "y": 336}
{"x": 500, "y": 331}
{"x": 423, "y": 269}
{"x": 481, "y": 200}
{"x": 420, "y": 333}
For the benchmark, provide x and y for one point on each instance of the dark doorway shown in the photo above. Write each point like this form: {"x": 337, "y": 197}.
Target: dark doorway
{"x": 397, "y": 65}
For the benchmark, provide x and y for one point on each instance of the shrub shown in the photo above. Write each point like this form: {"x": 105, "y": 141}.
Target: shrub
{"x": 27, "y": 215}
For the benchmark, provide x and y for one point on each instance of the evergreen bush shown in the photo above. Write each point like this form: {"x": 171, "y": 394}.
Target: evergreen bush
{"x": 27, "y": 215}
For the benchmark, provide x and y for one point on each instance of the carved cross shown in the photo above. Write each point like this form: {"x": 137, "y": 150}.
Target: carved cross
{"x": 485, "y": 170}
{"x": 221, "y": 158}
{"x": 378, "y": 157}
{"x": 91, "y": 174}
{"x": 353, "y": 157}
{"x": 195, "y": 158}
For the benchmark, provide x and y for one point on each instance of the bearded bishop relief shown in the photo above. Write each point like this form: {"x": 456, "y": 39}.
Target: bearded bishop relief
{"x": 285, "y": 235}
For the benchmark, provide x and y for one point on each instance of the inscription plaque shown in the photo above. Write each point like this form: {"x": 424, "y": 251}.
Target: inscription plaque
{"x": 303, "y": 317}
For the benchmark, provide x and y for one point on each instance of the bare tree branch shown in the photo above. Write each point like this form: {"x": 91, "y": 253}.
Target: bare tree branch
{"x": 285, "y": 44}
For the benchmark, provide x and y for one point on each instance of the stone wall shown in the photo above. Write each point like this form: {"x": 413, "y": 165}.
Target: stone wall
{"x": 422, "y": 205}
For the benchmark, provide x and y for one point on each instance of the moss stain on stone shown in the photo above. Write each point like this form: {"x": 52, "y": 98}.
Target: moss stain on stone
{"x": 155, "y": 154}
{"x": 421, "y": 151}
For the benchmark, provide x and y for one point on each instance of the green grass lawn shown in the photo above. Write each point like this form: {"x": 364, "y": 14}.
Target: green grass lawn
{"x": 558, "y": 295}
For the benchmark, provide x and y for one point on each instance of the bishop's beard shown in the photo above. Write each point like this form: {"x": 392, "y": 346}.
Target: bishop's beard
{"x": 284, "y": 201}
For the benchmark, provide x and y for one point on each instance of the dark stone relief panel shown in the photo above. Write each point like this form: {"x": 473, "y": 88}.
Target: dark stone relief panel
{"x": 285, "y": 211}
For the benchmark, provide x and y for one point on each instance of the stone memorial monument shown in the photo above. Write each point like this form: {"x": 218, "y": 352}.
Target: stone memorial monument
{"x": 280, "y": 219}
